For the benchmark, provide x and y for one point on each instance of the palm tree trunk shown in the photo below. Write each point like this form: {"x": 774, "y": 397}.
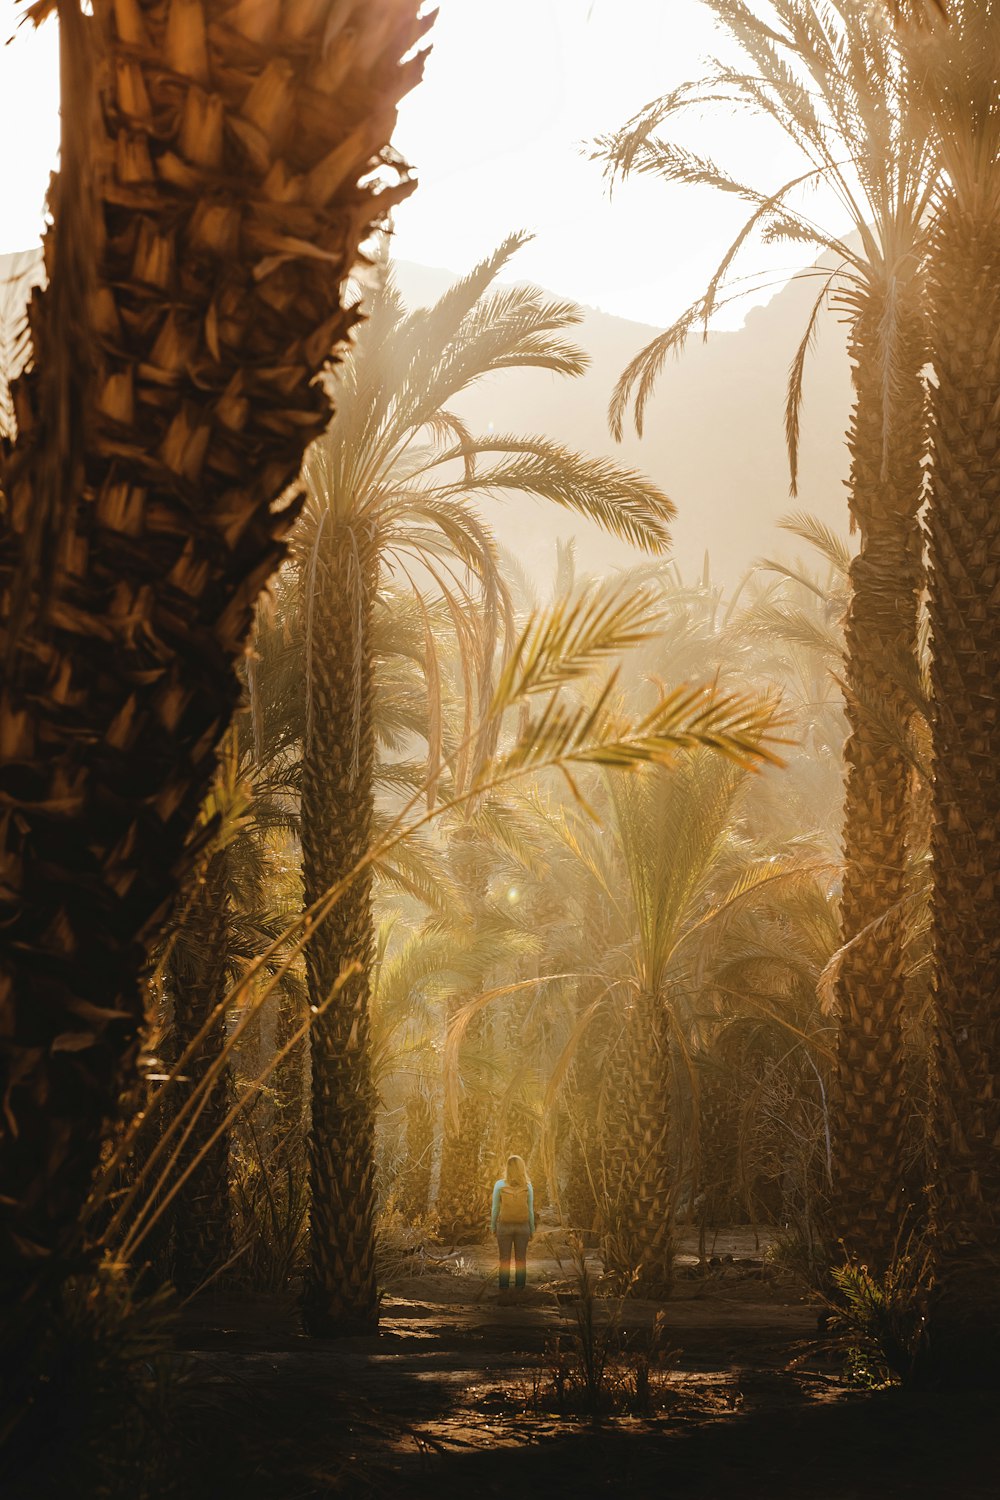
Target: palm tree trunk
{"x": 888, "y": 445}
{"x": 583, "y": 1117}
{"x": 140, "y": 518}
{"x": 415, "y": 1177}
{"x": 463, "y": 1200}
{"x": 578, "y": 1197}
{"x": 640, "y": 1244}
{"x": 965, "y": 623}
{"x": 290, "y": 1075}
{"x": 202, "y": 1220}
{"x": 718, "y": 1159}
{"x": 337, "y": 800}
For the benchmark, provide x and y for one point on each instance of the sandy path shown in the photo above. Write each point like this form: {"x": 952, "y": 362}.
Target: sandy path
{"x": 440, "y": 1401}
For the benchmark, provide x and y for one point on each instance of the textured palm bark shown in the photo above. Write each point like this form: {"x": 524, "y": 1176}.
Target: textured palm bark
{"x": 888, "y": 444}
{"x": 228, "y": 145}
{"x": 289, "y": 1080}
{"x": 466, "y": 1180}
{"x": 578, "y": 1200}
{"x": 415, "y": 1177}
{"x": 965, "y": 621}
{"x": 337, "y": 800}
{"x": 463, "y": 1200}
{"x": 719, "y": 1177}
{"x": 202, "y": 1218}
{"x": 612, "y": 1127}
{"x": 584, "y": 1119}
{"x": 640, "y": 1242}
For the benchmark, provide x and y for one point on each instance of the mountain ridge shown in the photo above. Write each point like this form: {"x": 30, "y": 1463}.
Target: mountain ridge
{"x": 714, "y": 438}
{"x": 714, "y": 432}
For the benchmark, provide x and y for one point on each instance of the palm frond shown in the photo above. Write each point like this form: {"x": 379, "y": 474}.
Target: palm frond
{"x": 818, "y": 534}
{"x": 568, "y": 640}
{"x": 24, "y": 271}
{"x": 564, "y": 736}
{"x": 622, "y": 501}
{"x": 793, "y": 404}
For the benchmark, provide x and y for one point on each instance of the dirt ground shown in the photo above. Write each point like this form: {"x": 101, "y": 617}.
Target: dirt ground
{"x": 454, "y": 1396}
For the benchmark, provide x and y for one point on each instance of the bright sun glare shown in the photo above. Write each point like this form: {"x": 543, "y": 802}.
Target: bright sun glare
{"x": 498, "y": 135}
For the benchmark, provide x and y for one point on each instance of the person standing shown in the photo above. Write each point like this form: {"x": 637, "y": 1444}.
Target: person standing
{"x": 513, "y": 1220}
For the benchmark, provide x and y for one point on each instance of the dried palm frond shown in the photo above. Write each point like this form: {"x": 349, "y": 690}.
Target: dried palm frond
{"x": 18, "y": 274}
{"x": 832, "y": 79}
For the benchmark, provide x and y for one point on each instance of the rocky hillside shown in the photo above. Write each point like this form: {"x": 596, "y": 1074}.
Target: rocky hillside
{"x": 714, "y": 432}
{"x": 714, "y": 435}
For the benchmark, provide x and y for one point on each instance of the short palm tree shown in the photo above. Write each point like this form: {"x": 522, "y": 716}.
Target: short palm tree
{"x": 632, "y": 888}
{"x": 393, "y": 485}
{"x": 217, "y": 178}
{"x": 831, "y": 76}
{"x": 672, "y": 868}
{"x": 669, "y": 830}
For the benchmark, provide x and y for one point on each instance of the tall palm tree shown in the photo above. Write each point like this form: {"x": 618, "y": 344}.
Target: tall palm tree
{"x": 198, "y": 977}
{"x": 959, "y": 69}
{"x": 831, "y": 76}
{"x": 217, "y": 179}
{"x": 229, "y": 918}
{"x": 393, "y": 485}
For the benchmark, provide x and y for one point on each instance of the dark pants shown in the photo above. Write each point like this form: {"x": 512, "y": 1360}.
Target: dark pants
{"x": 513, "y": 1237}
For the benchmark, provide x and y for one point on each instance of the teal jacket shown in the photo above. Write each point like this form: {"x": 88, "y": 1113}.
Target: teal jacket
{"x": 500, "y": 1183}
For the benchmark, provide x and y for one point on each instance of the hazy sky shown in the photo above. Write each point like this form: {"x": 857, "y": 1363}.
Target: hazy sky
{"x": 511, "y": 94}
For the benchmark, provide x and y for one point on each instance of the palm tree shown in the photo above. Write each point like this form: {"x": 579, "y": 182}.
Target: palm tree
{"x": 554, "y": 650}
{"x": 198, "y": 975}
{"x": 393, "y": 486}
{"x": 631, "y": 888}
{"x": 211, "y": 201}
{"x": 832, "y": 78}
{"x": 230, "y": 917}
{"x": 673, "y": 868}
{"x": 216, "y": 1025}
{"x": 959, "y": 69}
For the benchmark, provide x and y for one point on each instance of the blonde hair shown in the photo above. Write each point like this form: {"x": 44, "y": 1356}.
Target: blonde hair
{"x": 517, "y": 1172}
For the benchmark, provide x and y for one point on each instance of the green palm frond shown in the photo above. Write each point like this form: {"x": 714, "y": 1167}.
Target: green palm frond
{"x": 565, "y": 736}
{"x": 403, "y": 477}
{"x": 512, "y": 831}
{"x": 827, "y": 542}
{"x": 625, "y": 503}
{"x": 459, "y": 1025}
{"x": 566, "y": 641}
{"x": 797, "y": 627}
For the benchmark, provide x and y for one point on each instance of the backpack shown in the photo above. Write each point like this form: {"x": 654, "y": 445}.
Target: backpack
{"x": 513, "y": 1204}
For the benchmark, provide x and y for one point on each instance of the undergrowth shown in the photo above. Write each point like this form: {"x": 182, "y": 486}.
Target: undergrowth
{"x": 94, "y": 1405}
{"x": 879, "y": 1321}
{"x": 593, "y": 1367}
